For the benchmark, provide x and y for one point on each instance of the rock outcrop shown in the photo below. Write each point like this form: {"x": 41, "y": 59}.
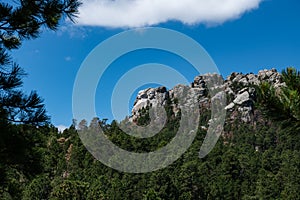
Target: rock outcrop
{"x": 148, "y": 98}
{"x": 239, "y": 88}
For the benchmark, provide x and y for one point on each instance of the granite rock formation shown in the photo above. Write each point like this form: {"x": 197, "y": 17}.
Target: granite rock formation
{"x": 239, "y": 89}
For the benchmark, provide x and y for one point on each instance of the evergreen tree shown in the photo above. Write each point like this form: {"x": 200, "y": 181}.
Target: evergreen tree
{"x": 283, "y": 103}
{"x": 21, "y": 20}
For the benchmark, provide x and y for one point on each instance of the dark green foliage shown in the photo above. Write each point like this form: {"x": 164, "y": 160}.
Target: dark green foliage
{"x": 248, "y": 162}
{"x": 38, "y": 188}
{"x": 24, "y": 20}
{"x": 26, "y": 162}
{"x": 144, "y": 118}
{"x": 283, "y": 103}
{"x": 69, "y": 189}
{"x": 15, "y": 106}
{"x": 251, "y": 162}
{"x": 21, "y": 20}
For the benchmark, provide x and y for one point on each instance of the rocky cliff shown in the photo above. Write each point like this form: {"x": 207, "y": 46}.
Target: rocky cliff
{"x": 239, "y": 89}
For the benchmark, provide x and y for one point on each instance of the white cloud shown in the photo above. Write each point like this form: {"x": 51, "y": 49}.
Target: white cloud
{"x": 139, "y": 13}
{"x": 68, "y": 58}
{"x": 61, "y": 128}
{"x": 73, "y": 31}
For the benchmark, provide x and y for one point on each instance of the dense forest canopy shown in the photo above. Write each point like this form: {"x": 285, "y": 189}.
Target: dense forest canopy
{"x": 259, "y": 160}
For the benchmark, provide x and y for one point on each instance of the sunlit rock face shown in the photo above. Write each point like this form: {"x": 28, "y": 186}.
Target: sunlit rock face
{"x": 239, "y": 88}
{"x": 148, "y": 98}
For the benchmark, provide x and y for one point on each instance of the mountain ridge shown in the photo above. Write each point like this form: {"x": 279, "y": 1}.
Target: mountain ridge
{"x": 240, "y": 89}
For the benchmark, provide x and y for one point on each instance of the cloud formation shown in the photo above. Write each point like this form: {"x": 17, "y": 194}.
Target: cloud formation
{"x": 61, "y": 128}
{"x": 139, "y": 13}
{"x": 68, "y": 58}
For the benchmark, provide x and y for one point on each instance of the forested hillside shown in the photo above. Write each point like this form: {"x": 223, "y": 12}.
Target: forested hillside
{"x": 259, "y": 159}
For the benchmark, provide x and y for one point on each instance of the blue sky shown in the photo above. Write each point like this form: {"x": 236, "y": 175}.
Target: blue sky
{"x": 267, "y": 36}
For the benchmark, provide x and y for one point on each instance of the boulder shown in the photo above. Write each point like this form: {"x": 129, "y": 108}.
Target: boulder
{"x": 230, "y": 106}
{"x": 242, "y": 98}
